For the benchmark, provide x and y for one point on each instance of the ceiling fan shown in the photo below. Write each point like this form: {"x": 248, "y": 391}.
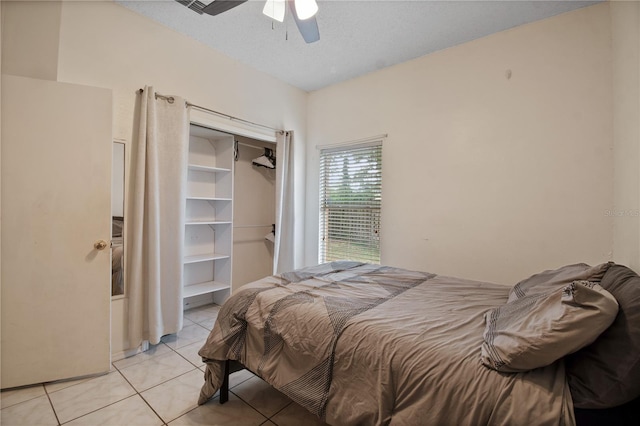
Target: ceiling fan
{"x": 303, "y": 12}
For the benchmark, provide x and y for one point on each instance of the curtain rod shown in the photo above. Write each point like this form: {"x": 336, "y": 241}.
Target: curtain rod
{"x": 171, "y": 99}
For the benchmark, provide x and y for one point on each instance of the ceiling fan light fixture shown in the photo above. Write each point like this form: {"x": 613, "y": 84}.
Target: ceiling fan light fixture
{"x": 306, "y": 8}
{"x": 274, "y": 9}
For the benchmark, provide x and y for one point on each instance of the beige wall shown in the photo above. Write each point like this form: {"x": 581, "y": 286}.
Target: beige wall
{"x": 31, "y": 27}
{"x": 254, "y": 205}
{"x": 106, "y": 45}
{"x": 625, "y": 25}
{"x": 485, "y": 176}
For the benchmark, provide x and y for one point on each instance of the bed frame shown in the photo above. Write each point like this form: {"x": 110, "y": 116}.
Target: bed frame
{"x": 230, "y": 367}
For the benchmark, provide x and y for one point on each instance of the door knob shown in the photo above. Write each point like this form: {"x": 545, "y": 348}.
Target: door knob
{"x": 100, "y": 245}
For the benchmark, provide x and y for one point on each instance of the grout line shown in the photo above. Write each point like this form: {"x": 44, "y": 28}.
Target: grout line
{"x": 152, "y": 409}
{"x": 158, "y": 384}
{"x": 281, "y": 410}
{"x": 21, "y": 388}
{"x": 105, "y": 406}
{"x": 98, "y": 409}
{"x": 183, "y": 357}
{"x": 140, "y": 395}
{"x": 250, "y": 406}
{"x": 51, "y": 403}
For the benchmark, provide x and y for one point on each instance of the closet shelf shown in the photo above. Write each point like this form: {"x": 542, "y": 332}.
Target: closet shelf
{"x": 204, "y": 257}
{"x": 198, "y": 168}
{"x": 203, "y": 288}
{"x": 208, "y": 218}
{"x": 207, "y": 222}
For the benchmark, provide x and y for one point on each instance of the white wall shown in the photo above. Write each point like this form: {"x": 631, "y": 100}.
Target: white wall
{"x": 485, "y": 176}
{"x": 106, "y": 45}
{"x": 625, "y": 25}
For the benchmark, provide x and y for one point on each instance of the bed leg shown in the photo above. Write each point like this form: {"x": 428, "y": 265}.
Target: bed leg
{"x": 224, "y": 389}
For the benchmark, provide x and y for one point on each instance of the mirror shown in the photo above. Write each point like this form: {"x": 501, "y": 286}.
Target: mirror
{"x": 117, "y": 219}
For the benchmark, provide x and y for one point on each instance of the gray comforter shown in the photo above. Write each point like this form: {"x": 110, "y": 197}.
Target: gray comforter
{"x": 367, "y": 344}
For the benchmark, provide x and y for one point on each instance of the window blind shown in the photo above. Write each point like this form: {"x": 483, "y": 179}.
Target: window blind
{"x": 350, "y": 203}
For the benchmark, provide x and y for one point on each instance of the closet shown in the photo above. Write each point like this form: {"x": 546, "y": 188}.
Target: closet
{"x": 229, "y": 215}
{"x": 254, "y": 212}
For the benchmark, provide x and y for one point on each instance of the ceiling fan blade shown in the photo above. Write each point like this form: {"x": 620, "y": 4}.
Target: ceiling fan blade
{"x": 216, "y": 7}
{"x": 308, "y": 28}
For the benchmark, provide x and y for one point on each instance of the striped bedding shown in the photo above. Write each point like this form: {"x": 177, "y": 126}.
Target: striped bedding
{"x": 362, "y": 344}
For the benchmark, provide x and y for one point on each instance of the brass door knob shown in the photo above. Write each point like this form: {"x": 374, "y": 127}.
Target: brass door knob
{"x": 100, "y": 245}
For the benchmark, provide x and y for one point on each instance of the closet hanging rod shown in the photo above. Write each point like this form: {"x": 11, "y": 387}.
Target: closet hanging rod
{"x": 254, "y": 226}
{"x": 259, "y": 148}
{"x": 171, "y": 99}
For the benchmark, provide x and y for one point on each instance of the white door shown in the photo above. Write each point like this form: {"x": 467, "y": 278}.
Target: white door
{"x": 56, "y": 186}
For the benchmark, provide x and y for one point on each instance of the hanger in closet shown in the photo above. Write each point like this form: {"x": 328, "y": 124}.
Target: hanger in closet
{"x": 268, "y": 159}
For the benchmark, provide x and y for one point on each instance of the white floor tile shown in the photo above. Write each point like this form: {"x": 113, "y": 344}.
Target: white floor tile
{"x": 190, "y": 352}
{"x": 261, "y": 396}
{"x": 154, "y": 350}
{"x": 13, "y": 397}
{"x": 35, "y": 411}
{"x": 233, "y": 412}
{"x": 202, "y": 313}
{"x": 59, "y": 385}
{"x": 295, "y": 415}
{"x": 177, "y": 396}
{"x": 130, "y": 411}
{"x": 78, "y": 400}
{"x": 156, "y": 370}
{"x": 208, "y": 324}
{"x": 188, "y": 335}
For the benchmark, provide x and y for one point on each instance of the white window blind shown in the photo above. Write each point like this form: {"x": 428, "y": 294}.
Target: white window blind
{"x": 350, "y": 202}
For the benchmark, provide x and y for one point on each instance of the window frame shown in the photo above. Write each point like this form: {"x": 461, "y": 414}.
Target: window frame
{"x": 359, "y": 213}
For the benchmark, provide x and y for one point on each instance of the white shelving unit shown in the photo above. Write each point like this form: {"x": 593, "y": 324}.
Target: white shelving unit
{"x": 208, "y": 244}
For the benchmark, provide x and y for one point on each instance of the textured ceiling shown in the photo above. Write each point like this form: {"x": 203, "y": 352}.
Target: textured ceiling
{"x": 356, "y": 37}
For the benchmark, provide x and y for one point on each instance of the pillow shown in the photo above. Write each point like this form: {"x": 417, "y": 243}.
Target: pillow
{"x": 554, "y": 278}
{"x": 538, "y": 329}
{"x": 607, "y": 373}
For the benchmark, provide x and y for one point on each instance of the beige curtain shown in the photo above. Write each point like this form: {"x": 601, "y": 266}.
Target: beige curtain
{"x": 283, "y": 253}
{"x": 156, "y": 226}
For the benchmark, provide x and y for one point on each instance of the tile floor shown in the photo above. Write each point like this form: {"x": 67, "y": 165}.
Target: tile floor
{"x": 157, "y": 387}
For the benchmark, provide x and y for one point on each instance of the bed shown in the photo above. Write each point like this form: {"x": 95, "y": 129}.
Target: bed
{"x": 362, "y": 344}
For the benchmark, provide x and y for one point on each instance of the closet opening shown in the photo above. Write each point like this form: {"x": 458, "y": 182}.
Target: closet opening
{"x": 229, "y": 216}
{"x": 254, "y": 210}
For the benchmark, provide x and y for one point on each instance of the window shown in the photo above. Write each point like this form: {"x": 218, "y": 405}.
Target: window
{"x": 350, "y": 201}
